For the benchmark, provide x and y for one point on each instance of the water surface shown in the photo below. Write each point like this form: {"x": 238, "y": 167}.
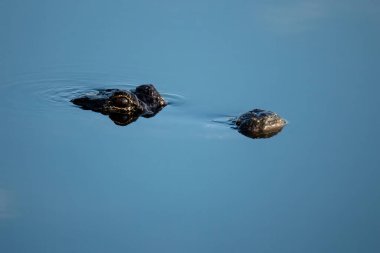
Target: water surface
{"x": 72, "y": 181}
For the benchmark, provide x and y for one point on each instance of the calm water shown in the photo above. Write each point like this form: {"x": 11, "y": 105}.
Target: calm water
{"x": 72, "y": 181}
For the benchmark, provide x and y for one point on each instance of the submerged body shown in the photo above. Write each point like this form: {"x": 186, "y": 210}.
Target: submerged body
{"x": 259, "y": 123}
{"x": 123, "y": 107}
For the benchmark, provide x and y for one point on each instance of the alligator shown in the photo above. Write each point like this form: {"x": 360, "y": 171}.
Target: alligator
{"x": 259, "y": 123}
{"x": 122, "y": 106}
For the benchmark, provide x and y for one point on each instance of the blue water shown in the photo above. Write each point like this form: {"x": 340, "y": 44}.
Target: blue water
{"x": 72, "y": 181}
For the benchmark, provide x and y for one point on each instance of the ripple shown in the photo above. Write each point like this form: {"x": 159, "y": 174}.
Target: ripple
{"x": 225, "y": 120}
{"x": 174, "y": 99}
{"x": 40, "y": 91}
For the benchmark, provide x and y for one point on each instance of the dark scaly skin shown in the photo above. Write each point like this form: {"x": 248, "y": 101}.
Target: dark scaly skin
{"x": 150, "y": 97}
{"x": 124, "y": 107}
{"x": 260, "y": 123}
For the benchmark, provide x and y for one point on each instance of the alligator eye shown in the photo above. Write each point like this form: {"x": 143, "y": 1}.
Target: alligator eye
{"x": 121, "y": 102}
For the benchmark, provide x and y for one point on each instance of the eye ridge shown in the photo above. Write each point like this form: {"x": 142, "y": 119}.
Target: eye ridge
{"x": 124, "y": 106}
